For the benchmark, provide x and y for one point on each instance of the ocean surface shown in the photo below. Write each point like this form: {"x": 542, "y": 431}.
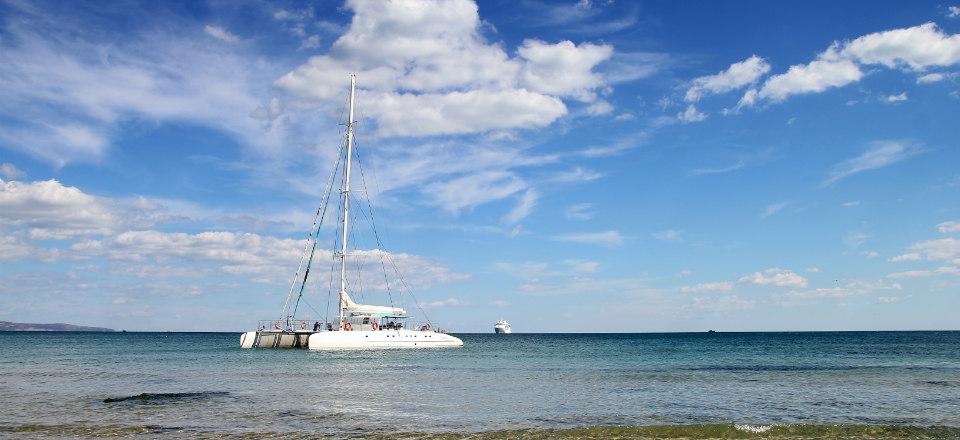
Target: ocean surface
{"x": 181, "y": 384}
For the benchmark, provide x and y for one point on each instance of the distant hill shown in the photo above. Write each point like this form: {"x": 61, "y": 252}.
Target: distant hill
{"x": 6, "y": 326}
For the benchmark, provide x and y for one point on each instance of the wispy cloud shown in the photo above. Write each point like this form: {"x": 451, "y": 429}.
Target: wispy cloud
{"x": 880, "y": 154}
{"x": 720, "y": 286}
{"x": 603, "y": 238}
{"x": 773, "y": 209}
{"x": 524, "y": 207}
{"x": 668, "y": 235}
{"x": 220, "y": 33}
{"x": 580, "y": 211}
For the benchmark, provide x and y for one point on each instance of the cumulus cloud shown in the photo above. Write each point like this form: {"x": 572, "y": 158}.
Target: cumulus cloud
{"x": 775, "y": 277}
{"x": 880, "y": 154}
{"x": 813, "y": 77}
{"x": 425, "y": 69}
{"x": 896, "y": 98}
{"x": 916, "y": 48}
{"x": 691, "y": 114}
{"x": 50, "y": 210}
{"x": 258, "y": 257}
{"x": 604, "y": 238}
{"x": 736, "y": 76}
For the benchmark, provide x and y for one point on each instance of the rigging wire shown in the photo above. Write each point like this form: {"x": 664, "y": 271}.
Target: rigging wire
{"x": 376, "y": 234}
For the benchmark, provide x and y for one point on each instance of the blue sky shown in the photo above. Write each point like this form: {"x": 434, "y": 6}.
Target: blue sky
{"x": 568, "y": 166}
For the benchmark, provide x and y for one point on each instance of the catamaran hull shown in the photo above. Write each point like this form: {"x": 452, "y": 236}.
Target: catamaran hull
{"x": 274, "y": 339}
{"x": 381, "y": 339}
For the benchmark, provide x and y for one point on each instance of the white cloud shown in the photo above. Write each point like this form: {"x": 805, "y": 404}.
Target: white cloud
{"x": 896, "y": 98}
{"x": 66, "y": 91}
{"x": 814, "y": 77}
{"x": 813, "y": 269}
{"x": 582, "y": 266}
{"x": 856, "y": 238}
{"x": 775, "y": 277}
{"x": 430, "y": 114}
{"x": 10, "y": 171}
{"x": 941, "y": 249}
{"x": 946, "y": 270}
{"x": 953, "y": 11}
{"x": 444, "y": 303}
{"x": 948, "y": 227}
{"x": 220, "y": 33}
{"x": 880, "y": 154}
{"x": 577, "y": 174}
{"x": 472, "y": 190}
{"x": 723, "y": 303}
{"x": 668, "y": 235}
{"x": 257, "y": 257}
{"x": 773, "y": 209}
{"x": 912, "y": 256}
{"x": 888, "y": 299}
{"x": 624, "y": 117}
{"x": 823, "y": 292}
{"x": 691, "y": 114}
{"x": 736, "y": 76}
{"x": 524, "y": 207}
{"x": 916, "y": 48}
{"x": 931, "y": 78}
{"x": 720, "y": 286}
{"x": 604, "y": 238}
{"x": 720, "y": 170}
{"x": 599, "y": 108}
{"x": 425, "y": 69}
{"x": 851, "y": 204}
{"x": 870, "y": 254}
{"x": 562, "y": 69}
{"x": 52, "y": 211}
{"x": 580, "y": 211}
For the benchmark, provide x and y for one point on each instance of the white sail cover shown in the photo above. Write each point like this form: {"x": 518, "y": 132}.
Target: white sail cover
{"x": 353, "y": 307}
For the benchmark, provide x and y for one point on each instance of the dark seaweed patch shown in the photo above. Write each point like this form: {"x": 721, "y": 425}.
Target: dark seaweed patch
{"x": 157, "y": 398}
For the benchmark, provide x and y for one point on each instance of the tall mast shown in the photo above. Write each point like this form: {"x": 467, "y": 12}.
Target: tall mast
{"x": 346, "y": 205}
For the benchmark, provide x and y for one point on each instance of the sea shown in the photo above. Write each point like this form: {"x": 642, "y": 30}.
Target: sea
{"x": 186, "y": 385}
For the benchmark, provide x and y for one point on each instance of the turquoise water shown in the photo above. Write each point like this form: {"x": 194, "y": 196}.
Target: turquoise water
{"x": 202, "y": 382}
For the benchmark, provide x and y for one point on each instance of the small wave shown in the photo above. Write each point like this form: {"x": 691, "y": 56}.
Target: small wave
{"x": 775, "y": 368}
{"x": 165, "y": 397}
{"x": 942, "y": 383}
{"x": 756, "y": 429}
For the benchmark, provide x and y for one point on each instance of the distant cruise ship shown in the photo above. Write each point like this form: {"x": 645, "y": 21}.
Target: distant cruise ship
{"x": 502, "y": 326}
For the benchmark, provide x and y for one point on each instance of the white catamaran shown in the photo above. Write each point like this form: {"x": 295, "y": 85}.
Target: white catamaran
{"x": 358, "y": 326}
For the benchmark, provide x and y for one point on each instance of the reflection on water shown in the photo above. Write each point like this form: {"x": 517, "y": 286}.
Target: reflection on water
{"x": 203, "y": 382}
